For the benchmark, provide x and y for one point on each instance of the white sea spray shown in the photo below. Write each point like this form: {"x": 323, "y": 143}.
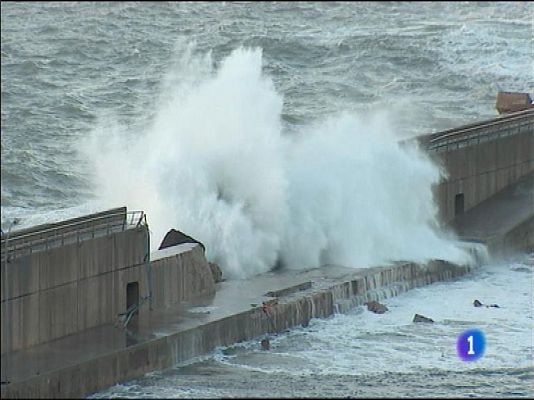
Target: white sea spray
{"x": 216, "y": 164}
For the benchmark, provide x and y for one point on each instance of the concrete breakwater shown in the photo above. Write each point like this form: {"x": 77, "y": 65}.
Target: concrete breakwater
{"x": 233, "y": 315}
{"x": 86, "y": 305}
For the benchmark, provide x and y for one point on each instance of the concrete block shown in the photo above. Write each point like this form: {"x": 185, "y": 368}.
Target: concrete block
{"x": 512, "y": 173}
{"x": 58, "y": 312}
{"x": 108, "y": 372}
{"x": 22, "y": 276}
{"x": 161, "y": 271}
{"x": 59, "y": 266}
{"x": 521, "y": 169}
{"x": 457, "y": 163}
{"x": 96, "y": 256}
{"x": 527, "y": 167}
{"x": 486, "y": 157}
{"x": 68, "y": 384}
{"x": 481, "y": 188}
{"x": 181, "y": 277}
{"x": 472, "y": 161}
{"x": 23, "y": 328}
{"x": 526, "y": 147}
{"x": 503, "y": 179}
{"x": 469, "y": 185}
{"x": 3, "y": 327}
{"x": 508, "y": 151}
{"x": 159, "y": 355}
{"x": 95, "y": 301}
{"x": 116, "y": 295}
{"x": 492, "y": 183}
{"x": 96, "y": 374}
{"x": 133, "y": 362}
{"x": 130, "y": 247}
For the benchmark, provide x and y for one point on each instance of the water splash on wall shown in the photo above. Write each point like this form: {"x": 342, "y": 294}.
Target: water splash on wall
{"x": 216, "y": 163}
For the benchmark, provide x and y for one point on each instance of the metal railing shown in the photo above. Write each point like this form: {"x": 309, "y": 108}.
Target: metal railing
{"x": 18, "y": 244}
{"x": 508, "y": 125}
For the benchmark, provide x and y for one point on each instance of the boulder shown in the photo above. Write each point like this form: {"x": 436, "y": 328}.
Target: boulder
{"x": 376, "y": 307}
{"x": 174, "y": 238}
{"x": 216, "y": 272}
{"x": 422, "y": 318}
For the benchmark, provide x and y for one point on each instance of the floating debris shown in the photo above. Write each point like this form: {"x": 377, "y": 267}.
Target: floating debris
{"x": 376, "y": 307}
{"x": 422, "y": 318}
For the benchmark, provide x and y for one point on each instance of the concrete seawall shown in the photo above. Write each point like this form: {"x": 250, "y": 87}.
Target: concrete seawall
{"x": 505, "y": 222}
{"x": 233, "y": 316}
{"x": 482, "y": 165}
{"x": 74, "y": 293}
{"x": 51, "y": 293}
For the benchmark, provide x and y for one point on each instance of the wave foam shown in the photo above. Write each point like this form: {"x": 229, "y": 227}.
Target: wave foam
{"x": 217, "y": 164}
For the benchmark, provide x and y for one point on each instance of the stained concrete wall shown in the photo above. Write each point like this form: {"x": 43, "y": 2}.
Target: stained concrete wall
{"x": 480, "y": 170}
{"x": 180, "y": 274}
{"x": 520, "y": 239}
{"x": 49, "y": 294}
{"x": 68, "y": 289}
{"x": 132, "y": 362}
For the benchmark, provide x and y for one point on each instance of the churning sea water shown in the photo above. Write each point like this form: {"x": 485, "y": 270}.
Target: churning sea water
{"x": 232, "y": 121}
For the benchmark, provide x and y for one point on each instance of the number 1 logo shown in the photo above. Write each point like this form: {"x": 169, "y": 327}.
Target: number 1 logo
{"x": 470, "y": 345}
{"x": 470, "y": 352}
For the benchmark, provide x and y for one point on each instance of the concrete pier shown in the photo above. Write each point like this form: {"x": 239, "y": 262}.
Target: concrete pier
{"x": 481, "y": 160}
{"x": 80, "y": 364}
{"x": 86, "y": 305}
{"x": 63, "y": 278}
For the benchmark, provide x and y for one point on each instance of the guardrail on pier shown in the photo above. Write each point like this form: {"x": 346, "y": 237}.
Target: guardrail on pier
{"x": 45, "y": 237}
{"x": 507, "y": 125}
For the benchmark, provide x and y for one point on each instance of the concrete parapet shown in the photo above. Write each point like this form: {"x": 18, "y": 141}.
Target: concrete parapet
{"x": 59, "y": 266}
{"x": 181, "y": 273}
{"x": 22, "y": 276}
{"x": 60, "y": 232}
{"x": 24, "y": 323}
{"x": 58, "y": 312}
{"x": 478, "y": 172}
{"x": 66, "y": 289}
{"x": 519, "y": 239}
{"x": 131, "y": 248}
{"x": 504, "y": 221}
{"x": 97, "y": 256}
{"x": 97, "y": 299}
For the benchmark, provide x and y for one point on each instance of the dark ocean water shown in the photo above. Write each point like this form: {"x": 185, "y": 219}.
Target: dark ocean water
{"x": 65, "y": 65}
{"x": 74, "y": 71}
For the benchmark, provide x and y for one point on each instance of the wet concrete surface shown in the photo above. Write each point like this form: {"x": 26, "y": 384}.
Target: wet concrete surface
{"x": 499, "y": 214}
{"x": 80, "y": 364}
{"x": 232, "y": 297}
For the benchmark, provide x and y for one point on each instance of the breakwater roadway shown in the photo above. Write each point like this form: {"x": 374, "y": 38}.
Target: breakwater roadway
{"x": 233, "y": 315}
